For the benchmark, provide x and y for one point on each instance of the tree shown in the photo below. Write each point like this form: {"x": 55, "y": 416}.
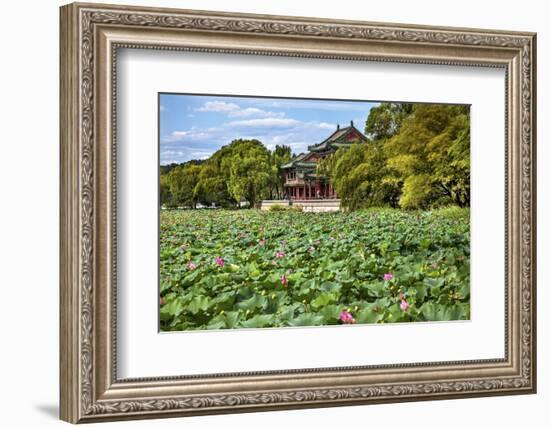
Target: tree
{"x": 212, "y": 185}
{"x": 418, "y": 156}
{"x": 385, "y": 120}
{"x": 249, "y": 170}
{"x": 165, "y": 194}
{"x": 430, "y": 156}
{"x": 211, "y": 188}
{"x": 181, "y": 182}
{"x": 450, "y": 156}
{"x": 278, "y": 157}
{"x": 358, "y": 176}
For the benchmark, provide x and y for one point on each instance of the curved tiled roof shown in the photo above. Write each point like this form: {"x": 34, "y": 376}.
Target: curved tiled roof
{"x": 337, "y": 139}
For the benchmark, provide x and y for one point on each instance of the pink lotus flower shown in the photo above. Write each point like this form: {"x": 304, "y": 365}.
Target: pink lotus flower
{"x": 161, "y": 301}
{"x": 346, "y": 317}
{"x": 220, "y": 261}
{"x": 191, "y": 265}
{"x": 404, "y": 305}
{"x": 284, "y": 280}
{"x": 388, "y": 276}
{"x": 401, "y": 296}
{"x": 280, "y": 254}
{"x": 317, "y": 242}
{"x": 261, "y": 242}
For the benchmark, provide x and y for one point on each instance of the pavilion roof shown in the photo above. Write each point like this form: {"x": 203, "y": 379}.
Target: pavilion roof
{"x": 300, "y": 161}
{"x": 337, "y": 139}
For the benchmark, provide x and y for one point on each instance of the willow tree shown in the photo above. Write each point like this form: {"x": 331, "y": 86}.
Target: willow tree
{"x": 248, "y": 169}
{"x": 384, "y": 121}
{"x": 359, "y": 176}
{"x": 181, "y": 182}
{"x": 212, "y": 184}
{"x": 417, "y": 156}
{"x": 431, "y": 156}
{"x": 278, "y": 157}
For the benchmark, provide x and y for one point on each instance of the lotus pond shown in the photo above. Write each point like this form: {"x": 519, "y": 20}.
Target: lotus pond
{"x": 224, "y": 269}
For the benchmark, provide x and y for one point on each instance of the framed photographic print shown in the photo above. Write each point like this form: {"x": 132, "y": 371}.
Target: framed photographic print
{"x": 267, "y": 212}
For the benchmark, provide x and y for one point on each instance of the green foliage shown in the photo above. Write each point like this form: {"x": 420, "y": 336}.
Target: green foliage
{"x": 331, "y": 261}
{"x": 452, "y": 212}
{"x": 212, "y": 185}
{"x": 165, "y": 194}
{"x": 277, "y": 208}
{"x": 418, "y": 156}
{"x": 359, "y": 177}
{"x": 242, "y": 170}
{"x": 417, "y": 192}
{"x": 431, "y": 156}
{"x": 385, "y": 120}
{"x": 282, "y": 208}
{"x": 180, "y": 182}
{"x": 279, "y": 156}
{"x": 249, "y": 170}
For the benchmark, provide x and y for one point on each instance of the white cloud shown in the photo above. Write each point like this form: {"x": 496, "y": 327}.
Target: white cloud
{"x": 247, "y": 119}
{"x": 188, "y": 135}
{"x": 252, "y": 111}
{"x": 324, "y": 125}
{"x": 265, "y": 122}
{"x": 178, "y": 134}
{"x": 234, "y": 110}
{"x": 218, "y": 106}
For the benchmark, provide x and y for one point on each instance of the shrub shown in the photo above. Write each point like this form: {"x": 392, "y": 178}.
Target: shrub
{"x": 277, "y": 208}
{"x": 452, "y": 212}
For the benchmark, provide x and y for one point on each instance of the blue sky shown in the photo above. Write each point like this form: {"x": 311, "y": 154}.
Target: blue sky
{"x": 195, "y": 126}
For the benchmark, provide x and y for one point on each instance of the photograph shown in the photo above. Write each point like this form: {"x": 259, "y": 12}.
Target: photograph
{"x": 292, "y": 212}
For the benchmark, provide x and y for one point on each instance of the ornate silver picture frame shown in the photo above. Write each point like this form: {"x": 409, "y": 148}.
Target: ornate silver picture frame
{"x": 91, "y": 35}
